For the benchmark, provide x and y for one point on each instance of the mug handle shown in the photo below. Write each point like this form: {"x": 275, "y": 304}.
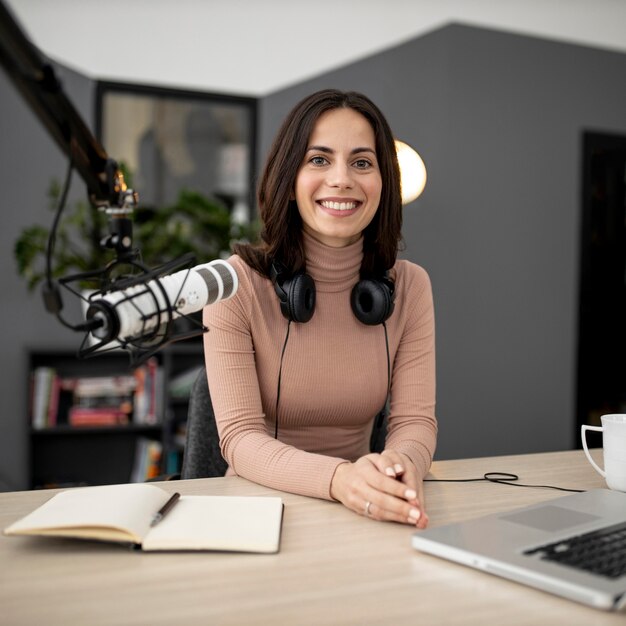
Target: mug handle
{"x": 598, "y": 429}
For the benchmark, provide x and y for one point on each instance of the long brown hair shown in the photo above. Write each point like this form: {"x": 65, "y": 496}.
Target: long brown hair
{"x": 281, "y": 232}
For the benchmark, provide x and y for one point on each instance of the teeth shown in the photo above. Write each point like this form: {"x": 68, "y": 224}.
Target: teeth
{"x": 338, "y": 206}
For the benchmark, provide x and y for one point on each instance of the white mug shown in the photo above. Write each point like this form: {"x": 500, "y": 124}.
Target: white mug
{"x": 613, "y": 431}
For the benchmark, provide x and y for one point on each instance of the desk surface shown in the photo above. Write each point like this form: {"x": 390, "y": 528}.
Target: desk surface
{"x": 334, "y": 567}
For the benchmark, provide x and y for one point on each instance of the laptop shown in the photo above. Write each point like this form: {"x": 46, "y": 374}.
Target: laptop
{"x": 573, "y": 546}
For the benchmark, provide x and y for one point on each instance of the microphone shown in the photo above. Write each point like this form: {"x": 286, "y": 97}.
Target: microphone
{"x": 139, "y": 312}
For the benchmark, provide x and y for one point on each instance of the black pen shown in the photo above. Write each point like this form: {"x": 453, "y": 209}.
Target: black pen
{"x": 162, "y": 512}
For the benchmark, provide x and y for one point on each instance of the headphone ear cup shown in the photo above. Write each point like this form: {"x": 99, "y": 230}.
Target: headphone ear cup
{"x": 372, "y": 301}
{"x": 296, "y": 294}
{"x": 301, "y": 298}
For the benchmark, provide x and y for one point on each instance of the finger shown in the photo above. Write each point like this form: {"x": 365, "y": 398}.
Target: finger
{"x": 402, "y": 513}
{"x": 410, "y": 477}
{"x": 389, "y": 463}
{"x": 409, "y": 508}
{"x": 395, "y": 487}
{"x": 389, "y": 499}
{"x": 410, "y": 481}
{"x": 423, "y": 521}
{"x": 385, "y": 507}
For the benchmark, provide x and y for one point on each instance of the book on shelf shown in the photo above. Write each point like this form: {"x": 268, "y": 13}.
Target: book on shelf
{"x": 148, "y": 405}
{"x": 97, "y": 400}
{"x": 41, "y": 388}
{"x": 172, "y": 463}
{"x": 147, "y": 462}
{"x": 100, "y": 387}
{"x": 124, "y": 514}
{"x": 97, "y": 416}
{"x": 53, "y": 400}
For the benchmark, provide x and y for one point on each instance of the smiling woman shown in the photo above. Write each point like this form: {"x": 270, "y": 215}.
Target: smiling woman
{"x": 295, "y": 407}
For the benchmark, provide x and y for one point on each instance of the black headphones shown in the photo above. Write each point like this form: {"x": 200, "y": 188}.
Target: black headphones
{"x": 372, "y": 300}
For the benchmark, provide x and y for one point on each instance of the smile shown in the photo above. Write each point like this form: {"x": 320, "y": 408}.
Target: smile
{"x": 339, "y": 206}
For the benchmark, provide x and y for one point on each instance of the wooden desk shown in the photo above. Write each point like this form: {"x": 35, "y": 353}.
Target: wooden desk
{"x": 334, "y": 567}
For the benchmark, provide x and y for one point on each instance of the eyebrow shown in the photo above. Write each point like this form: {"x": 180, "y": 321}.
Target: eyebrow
{"x": 327, "y": 150}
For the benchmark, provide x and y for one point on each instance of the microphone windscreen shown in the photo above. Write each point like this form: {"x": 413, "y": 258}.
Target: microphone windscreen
{"x": 227, "y": 275}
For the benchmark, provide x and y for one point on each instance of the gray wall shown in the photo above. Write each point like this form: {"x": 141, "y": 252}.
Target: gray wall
{"x": 29, "y": 160}
{"x": 498, "y": 120}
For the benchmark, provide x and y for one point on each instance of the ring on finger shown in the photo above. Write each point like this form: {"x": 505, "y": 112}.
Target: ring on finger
{"x": 368, "y": 505}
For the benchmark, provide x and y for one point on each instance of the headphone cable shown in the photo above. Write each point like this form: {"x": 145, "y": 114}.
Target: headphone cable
{"x": 280, "y": 374}
{"x": 502, "y": 478}
{"x": 381, "y": 414}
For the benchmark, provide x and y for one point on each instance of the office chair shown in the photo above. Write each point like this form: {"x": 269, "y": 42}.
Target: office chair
{"x": 379, "y": 434}
{"x": 202, "y": 457}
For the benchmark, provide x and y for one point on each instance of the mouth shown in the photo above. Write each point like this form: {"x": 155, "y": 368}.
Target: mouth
{"x": 350, "y": 205}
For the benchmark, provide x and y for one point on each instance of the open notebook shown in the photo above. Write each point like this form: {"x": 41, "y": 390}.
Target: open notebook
{"x": 123, "y": 513}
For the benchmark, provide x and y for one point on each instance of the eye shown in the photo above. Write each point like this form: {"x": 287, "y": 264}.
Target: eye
{"x": 362, "y": 164}
{"x": 318, "y": 160}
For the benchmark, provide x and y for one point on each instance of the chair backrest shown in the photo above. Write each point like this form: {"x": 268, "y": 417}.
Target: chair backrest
{"x": 202, "y": 457}
{"x": 379, "y": 433}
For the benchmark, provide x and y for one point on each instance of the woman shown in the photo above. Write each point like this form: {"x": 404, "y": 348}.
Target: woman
{"x": 300, "y": 361}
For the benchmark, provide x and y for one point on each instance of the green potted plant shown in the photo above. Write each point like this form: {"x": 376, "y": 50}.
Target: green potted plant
{"x": 194, "y": 224}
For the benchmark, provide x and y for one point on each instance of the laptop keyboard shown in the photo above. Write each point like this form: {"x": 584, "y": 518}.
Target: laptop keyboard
{"x": 600, "y": 552}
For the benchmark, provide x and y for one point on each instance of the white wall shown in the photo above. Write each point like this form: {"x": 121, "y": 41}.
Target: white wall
{"x": 254, "y": 48}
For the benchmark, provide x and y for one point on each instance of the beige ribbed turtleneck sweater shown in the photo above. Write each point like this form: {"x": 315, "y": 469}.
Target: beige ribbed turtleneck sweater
{"x": 334, "y": 374}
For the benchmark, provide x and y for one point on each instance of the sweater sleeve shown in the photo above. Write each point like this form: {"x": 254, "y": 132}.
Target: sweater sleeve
{"x": 247, "y": 446}
{"x": 412, "y": 422}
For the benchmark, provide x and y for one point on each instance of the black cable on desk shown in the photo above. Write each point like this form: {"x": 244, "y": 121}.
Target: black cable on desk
{"x": 503, "y": 478}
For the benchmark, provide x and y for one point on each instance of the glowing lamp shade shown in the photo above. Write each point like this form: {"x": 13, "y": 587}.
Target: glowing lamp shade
{"x": 412, "y": 172}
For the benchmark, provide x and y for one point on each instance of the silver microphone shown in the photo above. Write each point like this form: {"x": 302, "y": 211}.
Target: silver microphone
{"x": 137, "y": 312}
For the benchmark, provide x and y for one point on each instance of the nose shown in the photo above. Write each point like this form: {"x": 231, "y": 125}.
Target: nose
{"x": 339, "y": 175}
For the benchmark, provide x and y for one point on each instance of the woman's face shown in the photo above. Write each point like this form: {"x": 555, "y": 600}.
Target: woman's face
{"x": 338, "y": 185}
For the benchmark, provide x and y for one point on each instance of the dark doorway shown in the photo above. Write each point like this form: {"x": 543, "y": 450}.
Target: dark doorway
{"x": 602, "y": 316}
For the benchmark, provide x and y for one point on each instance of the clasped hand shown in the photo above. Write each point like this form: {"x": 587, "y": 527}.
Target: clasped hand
{"x": 382, "y": 486}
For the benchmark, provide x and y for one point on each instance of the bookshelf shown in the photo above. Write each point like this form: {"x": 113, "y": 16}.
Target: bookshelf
{"x": 96, "y": 421}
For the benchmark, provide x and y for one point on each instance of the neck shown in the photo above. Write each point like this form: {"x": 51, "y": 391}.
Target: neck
{"x": 333, "y": 269}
